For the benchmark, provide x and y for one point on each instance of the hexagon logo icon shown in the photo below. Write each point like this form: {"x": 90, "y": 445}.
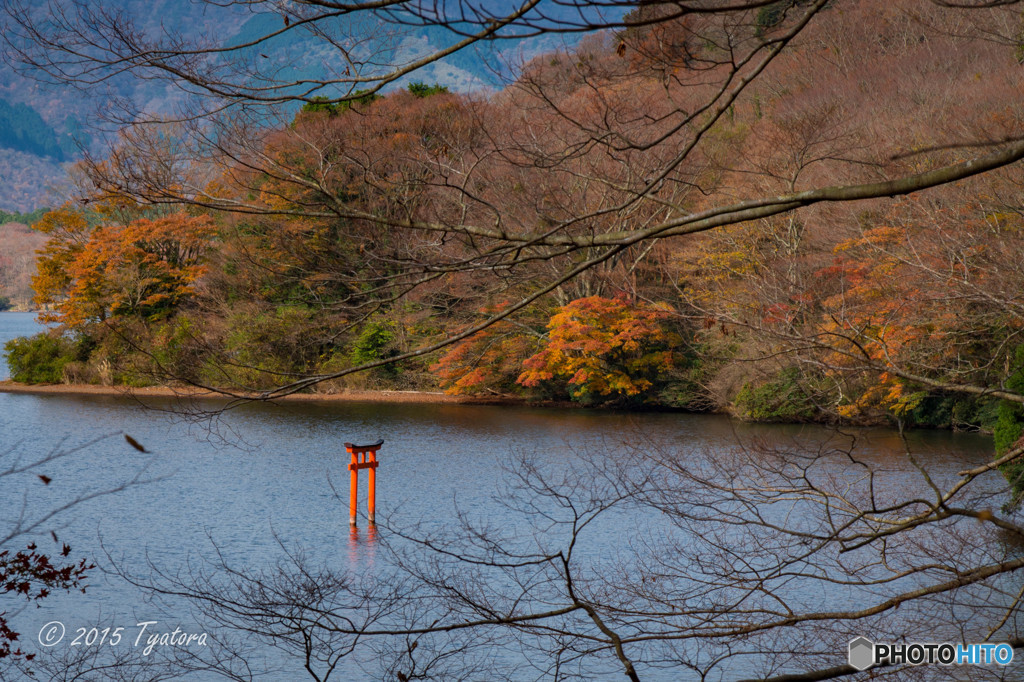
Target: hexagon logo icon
{"x": 862, "y": 653}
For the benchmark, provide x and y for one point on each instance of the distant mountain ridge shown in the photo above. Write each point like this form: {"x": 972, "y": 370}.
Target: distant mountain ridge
{"x": 42, "y": 124}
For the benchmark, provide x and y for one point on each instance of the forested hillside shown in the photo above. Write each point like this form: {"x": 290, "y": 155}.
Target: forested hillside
{"x": 869, "y": 311}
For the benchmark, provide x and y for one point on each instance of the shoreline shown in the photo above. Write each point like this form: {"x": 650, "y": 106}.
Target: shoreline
{"x": 187, "y": 393}
{"x": 190, "y": 393}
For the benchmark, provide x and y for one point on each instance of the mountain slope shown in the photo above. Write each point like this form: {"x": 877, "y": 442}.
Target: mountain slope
{"x": 40, "y": 122}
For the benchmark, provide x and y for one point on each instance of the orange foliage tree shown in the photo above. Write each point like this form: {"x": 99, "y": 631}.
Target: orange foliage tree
{"x": 604, "y": 347}
{"x": 928, "y": 300}
{"x": 489, "y": 361}
{"x": 94, "y": 267}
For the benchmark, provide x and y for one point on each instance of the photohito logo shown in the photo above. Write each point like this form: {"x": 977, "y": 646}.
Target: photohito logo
{"x": 864, "y": 653}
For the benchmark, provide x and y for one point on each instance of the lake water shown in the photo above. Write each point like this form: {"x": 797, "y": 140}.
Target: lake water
{"x": 257, "y": 480}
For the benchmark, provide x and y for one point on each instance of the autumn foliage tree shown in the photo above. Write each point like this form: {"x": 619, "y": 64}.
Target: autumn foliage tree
{"x": 490, "y": 361}
{"x": 603, "y": 348}
{"x": 919, "y": 304}
{"x": 93, "y": 268}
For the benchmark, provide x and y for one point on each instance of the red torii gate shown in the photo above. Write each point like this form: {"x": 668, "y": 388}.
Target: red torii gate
{"x": 363, "y": 457}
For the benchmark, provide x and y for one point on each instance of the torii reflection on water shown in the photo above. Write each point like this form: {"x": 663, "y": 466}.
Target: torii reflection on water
{"x": 362, "y": 547}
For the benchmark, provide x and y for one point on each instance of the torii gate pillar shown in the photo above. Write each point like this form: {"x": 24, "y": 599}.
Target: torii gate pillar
{"x": 363, "y": 457}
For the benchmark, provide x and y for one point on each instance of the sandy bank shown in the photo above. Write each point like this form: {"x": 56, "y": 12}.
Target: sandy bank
{"x": 190, "y": 393}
